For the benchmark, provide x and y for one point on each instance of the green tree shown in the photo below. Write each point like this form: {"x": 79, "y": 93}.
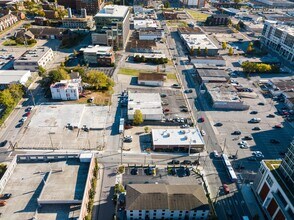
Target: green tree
{"x": 99, "y": 80}
{"x": 192, "y": 51}
{"x": 231, "y": 51}
{"x": 146, "y": 129}
{"x": 57, "y": 75}
{"x": 16, "y": 90}
{"x": 198, "y": 51}
{"x": 6, "y": 98}
{"x": 41, "y": 70}
{"x": 237, "y": 1}
{"x": 205, "y": 51}
{"x": 138, "y": 117}
{"x": 224, "y": 45}
{"x": 250, "y": 47}
{"x": 166, "y": 4}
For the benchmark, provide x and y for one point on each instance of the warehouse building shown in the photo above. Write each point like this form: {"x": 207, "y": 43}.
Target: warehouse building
{"x": 178, "y": 139}
{"x": 8, "y": 77}
{"x": 148, "y": 103}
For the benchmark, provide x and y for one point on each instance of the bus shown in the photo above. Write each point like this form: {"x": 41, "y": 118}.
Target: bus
{"x": 229, "y": 168}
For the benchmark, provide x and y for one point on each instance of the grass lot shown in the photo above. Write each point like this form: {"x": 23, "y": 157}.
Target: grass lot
{"x": 100, "y": 98}
{"x": 135, "y": 72}
{"x": 198, "y": 16}
{"x": 10, "y": 42}
{"x": 176, "y": 23}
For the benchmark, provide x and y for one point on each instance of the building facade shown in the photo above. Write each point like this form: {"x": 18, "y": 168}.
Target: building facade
{"x": 33, "y": 59}
{"x": 194, "y": 3}
{"x": 8, "y": 77}
{"x": 112, "y": 26}
{"x": 75, "y": 22}
{"x": 151, "y": 79}
{"x": 217, "y": 19}
{"x": 66, "y": 89}
{"x": 273, "y": 187}
{"x": 7, "y": 21}
{"x": 151, "y": 34}
{"x": 92, "y": 6}
{"x": 98, "y": 55}
{"x": 279, "y": 39}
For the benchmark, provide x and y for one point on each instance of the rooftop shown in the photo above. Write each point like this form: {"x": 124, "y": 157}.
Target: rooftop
{"x": 152, "y": 76}
{"x": 151, "y": 55}
{"x": 190, "y": 30}
{"x": 198, "y": 40}
{"x": 148, "y": 103}
{"x": 177, "y": 137}
{"x": 147, "y": 22}
{"x": 284, "y": 85}
{"x": 212, "y": 73}
{"x": 12, "y": 76}
{"x": 115, "y": 11}
{"x": 282, "y": 27}
{"x": 65, "y": 84}
{"x": 222, "y": 92}
{"x": 161, "y": 196}
{"x": 96, "y": 49}
{"x": 33, "y": 55}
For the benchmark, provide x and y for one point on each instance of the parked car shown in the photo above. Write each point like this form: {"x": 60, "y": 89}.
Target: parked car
{"x": 271, "y": 116}
{"x": 166, "y": 110}
{"x": 254, "y": 120}
{"x": 256, "y": 129}
{"x": 134, "y": 171}
{"x": 226, "y": 188}
{"x": 186, "y": 162}
{"x": 234, "y": 156}
{"x": 248, "y": 138}
{"x": 163, "y": 95}
{"x": 254, "y": 112}
{"x": 203, "y": 133}
{"x": 3, "y": 143}
{"x": 278, "y": 126}
{"x": 236, "y": 133}
{"x": 128, "y": 139}
{"x": 177, "y": 86}
{"x": 188, "y": 91}
{"x": 183, "y": 106}
{"x": 185, "y": 126}
{"x": 188, "y": 172}
{"x": 3, "y": 203}
{"x": 23, "y": 119}
{"x": 218, "y": 124}
{"x": 184, "y": 110}
{"x": 5, "y": 196}
{"x": 215, "y": 154}
{"x": 260, "y": 103}
{"x": 196, "y": 162}
{"x": 201, "y": 119}
{"x": 174, "y": 162}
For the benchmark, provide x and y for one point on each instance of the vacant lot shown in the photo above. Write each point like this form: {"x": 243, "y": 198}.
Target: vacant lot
{"x": 172, "y": 23}
{"x": 198, "y": 16}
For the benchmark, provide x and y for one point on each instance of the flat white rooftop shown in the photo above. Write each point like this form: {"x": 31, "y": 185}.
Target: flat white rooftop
{"x": 198, "y": 40}
{"x": 148, "y": 103}
{"x": 151, "y": 55}
{"x": 12, "y": 76}
{"x": 177, "y": 137}
{"x": 148, "y": 23}
{"x": 96, "y": 49}
{"x": 116, "y": 11}
{"x": 33, "y": 55}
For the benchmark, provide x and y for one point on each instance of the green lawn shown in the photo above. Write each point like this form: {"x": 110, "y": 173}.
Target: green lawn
{"x": 130, "y": 72}
{"x": 10, "y": 42}
{"x": 176, "y": 23}
{"x": 171, "y": 76}
{"x": 198, "y": 16}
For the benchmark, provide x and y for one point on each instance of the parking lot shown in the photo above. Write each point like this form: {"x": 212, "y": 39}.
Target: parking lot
{"x": 107, "y": 70}
{"x": 162, "y": 175}
{"x": 64, "y": 127}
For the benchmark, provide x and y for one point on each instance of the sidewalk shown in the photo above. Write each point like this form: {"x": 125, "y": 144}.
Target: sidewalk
{"x": 95, "y": 212}
{"x": 251, "y": 202}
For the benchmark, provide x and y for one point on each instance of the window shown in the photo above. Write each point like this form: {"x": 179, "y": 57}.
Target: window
{"x": 269, "y": 180}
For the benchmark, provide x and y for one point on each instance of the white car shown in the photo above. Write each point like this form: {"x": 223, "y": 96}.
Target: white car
{"x": 256, "y": 152}
{"x": 128, "y": 137}
{"x": 203, "y": 133}
{"x": 243, "y": 143}
{"x": 24, "y": 119}
{"x": 259, "y": 155}
{"x": 215, "y": 153}
{"x": 244, "y": 146}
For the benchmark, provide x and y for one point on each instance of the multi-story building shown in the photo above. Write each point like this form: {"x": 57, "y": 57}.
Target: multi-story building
{"x": 66, "y": 89}
{"x": 194, "y": 3}
{"x": 98, "y": 55}
{"x": 151, "y": 34}
{"x": 92, "y": 6}
{"x": 7, "y": 21}
{"x": 112, "y": 26}
{"x": 279, "y": 39}
{"x": 217, "y": 19}
{"x": 83, "y": 22}
{"x": 33, "y": 59}
{"x": 160, "y": 201}
{"x": 274, "y": 186}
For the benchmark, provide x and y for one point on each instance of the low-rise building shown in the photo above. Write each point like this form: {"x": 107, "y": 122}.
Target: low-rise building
{"x": 48, "y": 33}
{"x": 170, "y": 15}
{"x": 66, "y": 89}
{"x": 224, "y": 96}
{"x": 141, "y": 46}
{"x": 211, "y": 75}
{"x": 151, "y": 79}
{"x": 98, "y": 55}
{"x": 77, "y": 22}
{"x": 289, "y": 99}
{"x": 177, "y": 139}
{"x": 33, "y": 59}
{"x": 142, "y": 24}
{"x": 207, "y": 61}
{"x": 273, "y": 187}
{"x": 7, "y": 21}
{"x": 8, "y": 77}
{"x": 160, "y": 201}
{"x": 41, "y": 21}
{"x": 148, "y": 103}
{"x": 218, "y": 19}
{"x": 197, "y": 42}
{"x": 194, "y": 3}
{"x": 51, "y": 14}
{"x": 151, "y": 34}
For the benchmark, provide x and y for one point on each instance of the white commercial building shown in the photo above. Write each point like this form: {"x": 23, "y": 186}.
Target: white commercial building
{"x": 147, "y": 23}
{"x": 279, "y": 38}
{"x": 151, "y": 79}
{"x": 66, "y": 89}
{"x": 160, "y": 201}
{"x": 98, "y": 54}
{"x": 148, "y": 103}
{"x": 195, "y": 41}
{"x": 196, "y": 3}
{"x": 8, "y": 77}
{"x": 33, "y": 59}
{"x": 176, "y": 139}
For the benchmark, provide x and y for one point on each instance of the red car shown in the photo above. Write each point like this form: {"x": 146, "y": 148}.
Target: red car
{"x": 201, "y": 119}
{"x": 278, "y": 126}
{"x": 28, "y": 114}
{"x": 226, "y": 188}
{"x": 166, "y": 110}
